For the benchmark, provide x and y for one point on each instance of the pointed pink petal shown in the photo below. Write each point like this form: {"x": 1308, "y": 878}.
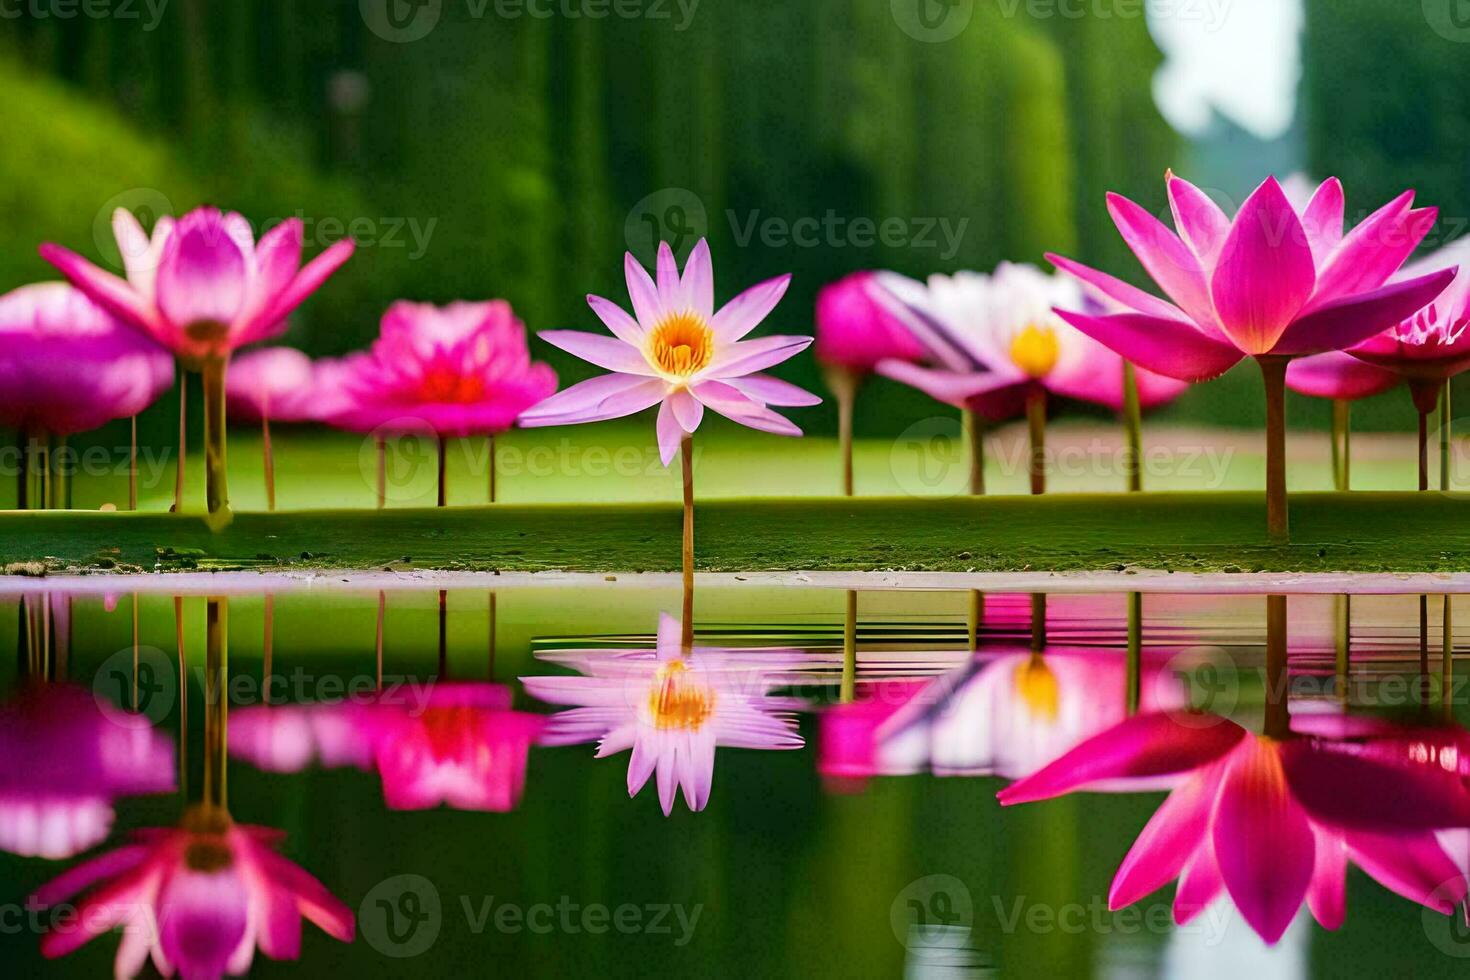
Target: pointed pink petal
{"x": 1201, "y": 223}
{"x": 739, "y": 407}
{"x": 597, "y": 399}
{"x": 1168, "y": 260}
{"x": 774, "y": 391}
{"x": 1371, "y": 252}
{"x": 103, "y": 287}
{"x": 277, "y": 258}
{"x": 1167, "y": 842}
{"x": 1327, "y": 895}
{"x": 88, "y": 873}
{"x": 140, "y": 257}
{"x": 642, "y": 293}
{"x": 687, "y": 409}
{"x": 699, "y": 280}
{"x": 278, "y": 929}
{"x": 670, "y": 288}
{"x": 1265, "y": 273}
{"x": 749, "y": 356}
{"x": 605, "y": 352}
{"x": 1407, "y": 795}
{"x": 1262, "y": 840}
{"x": 1143, "y": 746}
{"x": 1323, "y": 220}
{"x": 745, "y": 312}
{"x": 1347, "y": 322}
{"x": 1338, "y": 374}
{"x": 307, "y": 281}
{"x": 1167, "y": 347}
{"x": 669, "y": 433}
{"x": 668, "y": 784}
{"x": 623, "y": 326}
{"x": 1414, "y": 866}
{"x": 950, "y": 387}
{"x": 1200, "y": 884}
{"x": 1118, "y": 290}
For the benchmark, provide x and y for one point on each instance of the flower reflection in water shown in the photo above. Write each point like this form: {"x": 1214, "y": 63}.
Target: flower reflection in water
{"x": 1272, "y": 823}
{"x": 63, "y": 761}
{"x": 198, "y": 899}
{"x": 286, "y": 738}
{"x": 1005, "y": 715}
{"x": 671, "y": 706}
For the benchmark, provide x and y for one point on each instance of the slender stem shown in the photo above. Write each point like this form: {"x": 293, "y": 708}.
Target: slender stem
{"x": 136, "y": 650}
{"x": 1423, "y": 450}
{"x": 1341, "y": 408}
{"x": 845, "y": 391}
{"x": 35, "y": 456}
{"x": 23, "y": 475}
{"x": 686, "y": 455}
{"x": 268, "y": 643}
{"x": 443, "y": 460}
{"x": 1424, "y": 649}
{"x": 46, "y": 501}
{"x": 1134, "y": 672}
{"x": 382, "y": 608}
{"x": 490, "y": 634}
{"x": 1343, "y": 608}
{"x": 216, "y": 485}
{"x": 975, "y": 434}
{"x": 1278, "y": 679}
{"x": 1447, "y": 660}
{"x": 1036, "y": 424}
{"x": 1445, "y": 425}
{"x": 60, "y": 485}
{"x": 133, "y": 466}
{"x": 976, "y": 619}
{"x": 1273, "y": 374}
{"x": 443, "y": 634}
{"x": 183, "y": 697}
{"x": 270, "y": 462}
{"x": 382, "y": 449}
{"x": 1038, "y": 622}
{"x": 180, "y": 470}
{"x": 1132, "y": 428}
{"x": 216, "y": 706}
{"x": 490, "y": 478}
{"x": 849, "y": 650}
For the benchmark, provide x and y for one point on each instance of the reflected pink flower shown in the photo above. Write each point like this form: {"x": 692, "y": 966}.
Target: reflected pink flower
{"x": 1433, "y": 345}
{"x": 457, "y": 370}
{"x": 275, "y": 383}
{"x": 286, "y": 738}
{"x": 1274, "y": 281}
{"x": 1338, "y": 375}
{"x": 202, "y": 286}
{"x": 1271, "y": 823}
{"x": 678, "y": 353}
{"x": 63, "y": 761}
{"x": 69, "y": 366}
{"x": 855, "y": 332}
{"x": 466, "y": 750}
{"x": 672, "y": 708}
{"x": 849, "y": 747}
{"x": 198, "y": 899}
{"x": 991, "y": 338}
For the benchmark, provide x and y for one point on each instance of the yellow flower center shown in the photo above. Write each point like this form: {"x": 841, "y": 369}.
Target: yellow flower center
{"x": 681, "y": 344}
{"x": 677, "y": 702}
{"x": 1035, "y": 351}
{"x": 1036, "y": 686}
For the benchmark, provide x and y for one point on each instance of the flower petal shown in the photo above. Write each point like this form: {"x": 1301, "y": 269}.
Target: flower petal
{"x": 669, "y": 432}
{"x": 1347, "y": 322}
{"x": 1167, "y": 843}
{"x": 203, "y": 278}
{"x": 1168, "y": 260}
{"x": 307, "y": 281}
{"x": 749, "y": 356}
{"x": 699, "y": 280}
{"x": 1338, "y": 374}
{"x": 739, "y": 407}
{"x": 623, "y": 326}
{"x": 1200, "y": 884}
{"x": 1201, "y": 223}
{"x": 1117, "y": 290}
{"x": 1140, "y": 747}
{"x": 1408, "y": 795}
{"x": 1265, "y": 273}
{"x": 745, "y": 312}
{"x": 103, "y": 287}
{"x": 606, "y": 352}
{"x": 1323, "y": 220}
{"x": 687, "y": 409}
{"x": 1414, "y": 866}
{"x": 1372, "y": 251}
{"x": 670, "y": 287}
{"x": 774, "y": 391}
{"x": 1327, "y": 895}
{"x": 950, "y": 387}
{"x": 1168, "y": 347}
{"x": 642, "y": 293}
{"x": 608, "y": 396}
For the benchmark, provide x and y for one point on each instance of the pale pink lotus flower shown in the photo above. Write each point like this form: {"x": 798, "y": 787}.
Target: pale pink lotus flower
{"x": 198, "y": 899}
{"x": 672, "y": 707}
{"x": 286, "y": 738}
{"x": 457, "y": 370}
{"x": 63, "y": 761}
{"x": 202, "y": 286}
{"x": 1273, "y": 281}
{"x": 274, "y": 383}
{"x": 1433, "y": 345}
{"x": 855, "y": 332}
{"x": 69, "y": 366}
{"x": 1272, "y": 823}
{"x": 677, "y": 352}
{"x": 1338, "y": 375}
{"x": 990, "y": 339}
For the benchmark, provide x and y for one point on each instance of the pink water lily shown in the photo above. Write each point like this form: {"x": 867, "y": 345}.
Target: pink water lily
{"x": 198, "y": 899}
{"x": 855, "y": 332}
{"x": 1338, "y": 375}
{"x": 271, "y": 383}
{"x": 63, "y": 761}
{"x": 676, "y": 351}
{"x": 672, "y": 707}
{"x": 203, "y": 286}
{"x": 67, "y": 365}
{"x": 1271, "y": 823}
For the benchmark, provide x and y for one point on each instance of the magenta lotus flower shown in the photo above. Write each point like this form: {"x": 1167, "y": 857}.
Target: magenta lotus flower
{"x": 202, "y": 286}
{"x": 68, "y": 366}
{"x": 1338, "y": 375}
{"x": 989, "y": 339}
{"x": 1433, "y": 345}
{"x": 63, "y": 761}
{"x": 275, "y": 383}
{"x": 849, "y": 747}
{"x": 457, "y": 370}
{"x": 286, "y": 738}
{"x": 672, "y": 707}
{"x": 198, "y": 899}
{"x": 855, "y": 332}
{"x": 1271, "y": 823}
{"x": 466, "y": 750}
{"x": 677, "y": 352}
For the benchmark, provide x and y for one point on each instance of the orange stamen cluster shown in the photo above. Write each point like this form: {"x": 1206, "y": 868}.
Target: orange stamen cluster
{"x": 681, "y": 344}
{"x": 677, "y": 702}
